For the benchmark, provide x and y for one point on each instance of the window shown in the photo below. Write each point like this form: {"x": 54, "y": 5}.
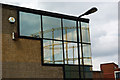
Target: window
{"x": 69, "y": 30}
{"x": 52, "y": 28}
{"x": 53, "y": 52}
{"x": 85, "y": 32}
{"x": 30, "y": 25}
{"x": 86, "y": 50}
{"x": 53, "y": 41}
{"x": 71, "y": 53}
{"x": 60, "y": 38}
{"x": 118, "y": 75}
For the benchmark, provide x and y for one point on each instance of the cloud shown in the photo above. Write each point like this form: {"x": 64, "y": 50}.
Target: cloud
{"x": 105, "y": 39}
{"x": 102, "y": 60}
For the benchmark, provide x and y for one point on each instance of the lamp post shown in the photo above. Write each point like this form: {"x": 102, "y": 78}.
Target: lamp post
{"x": 90, "y": 11}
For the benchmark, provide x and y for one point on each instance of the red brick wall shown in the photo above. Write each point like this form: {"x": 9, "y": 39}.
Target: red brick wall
{"x": 108, "y": 70}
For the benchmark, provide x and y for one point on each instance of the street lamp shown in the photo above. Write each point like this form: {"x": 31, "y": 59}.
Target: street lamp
{"x": 92, "y": 10}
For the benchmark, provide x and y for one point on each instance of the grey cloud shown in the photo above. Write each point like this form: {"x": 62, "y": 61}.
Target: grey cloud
{"x": 102, "y": 60}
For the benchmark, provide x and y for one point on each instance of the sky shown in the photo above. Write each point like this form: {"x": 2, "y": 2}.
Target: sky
{"x": 103, "y": 24}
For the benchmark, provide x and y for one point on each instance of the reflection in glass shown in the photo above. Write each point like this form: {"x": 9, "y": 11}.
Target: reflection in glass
{"x": 69, "y": 30}
{"x": 30, "y": 25}
{"x": 71, "y": 53}
{"x": 80, "y": 53}
{"x": 52, "y": 27}
{"x": 86, "y": 50}
{"x": 53, "y": 52}
{"x": 87, "y": 54}
{"x": 47, "y": 46}
{"x": 58, "y": 52}
{"x": 85, "y": 32}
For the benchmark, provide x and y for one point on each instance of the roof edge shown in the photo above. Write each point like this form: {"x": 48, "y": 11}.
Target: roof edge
{"x": 42, "y": 12}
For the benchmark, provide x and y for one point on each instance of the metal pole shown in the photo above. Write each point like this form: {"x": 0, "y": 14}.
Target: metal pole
{"x": 82, "y": 51}
{"x": 78, "y": 51}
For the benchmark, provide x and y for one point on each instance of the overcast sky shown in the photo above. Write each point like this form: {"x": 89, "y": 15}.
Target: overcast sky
{"x": 103, "y": 23}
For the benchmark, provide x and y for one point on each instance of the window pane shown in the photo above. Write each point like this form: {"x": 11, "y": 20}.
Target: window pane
{"x": 58, "y": 52}
{"x": 47, "y": 46}
{"x": 69, "y": 30}
{"x": 86, "y": 50}
{"x": 71, "y": 53}
{"x": 118, "y": 75}
{"x": 87, "y": 54}
{"x": 53, "y": 52}
{"x": 30, "y": 25}
{"x": 85, "y": 32}
{"x": 52, "y": 28}
{"x": 79, "y": 32}
{"x": 80, "y": 53}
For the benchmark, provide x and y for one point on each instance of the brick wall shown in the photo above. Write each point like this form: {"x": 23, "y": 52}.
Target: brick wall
{"x": 108, "y": 70}
{"x": 22, "y": 58}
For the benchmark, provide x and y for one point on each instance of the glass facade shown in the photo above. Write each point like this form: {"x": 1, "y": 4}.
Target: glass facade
{"x": 63, "y": 39}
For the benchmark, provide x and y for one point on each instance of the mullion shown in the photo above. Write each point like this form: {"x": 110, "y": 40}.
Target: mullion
{"x": 42, "y": 26}
{"x": 60, "y": 40}
{"x": 63, "y": 49}
{"x": 85, "y": 43}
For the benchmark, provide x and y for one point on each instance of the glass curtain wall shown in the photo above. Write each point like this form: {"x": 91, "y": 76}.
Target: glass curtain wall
{"x": 59, "y": 38}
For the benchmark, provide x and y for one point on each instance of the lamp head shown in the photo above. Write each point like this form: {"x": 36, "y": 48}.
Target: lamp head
{"x": 92, "y": 10}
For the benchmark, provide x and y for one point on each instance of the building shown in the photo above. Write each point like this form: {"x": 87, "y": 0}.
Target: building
{"x": 41, "y": 44}
{"x": 110, "y": 71}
